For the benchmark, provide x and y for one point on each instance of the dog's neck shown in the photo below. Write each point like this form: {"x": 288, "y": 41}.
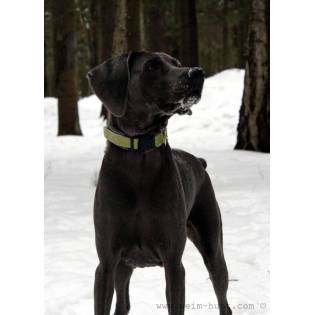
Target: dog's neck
{"x": 135, "y": 134}
{"x": 137, "y": 126}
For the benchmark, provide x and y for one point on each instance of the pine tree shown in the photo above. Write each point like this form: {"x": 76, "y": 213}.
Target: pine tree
{"x": 254, "y": 122}
{"x": 188, "y": 32}
{"x": 126, "y": 30}
{"x": 64, "y": 15}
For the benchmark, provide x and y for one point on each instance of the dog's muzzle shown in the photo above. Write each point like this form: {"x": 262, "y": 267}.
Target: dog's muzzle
{"x": 195, "y": 79}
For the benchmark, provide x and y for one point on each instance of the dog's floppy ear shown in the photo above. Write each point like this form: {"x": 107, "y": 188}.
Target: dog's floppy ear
{"x": 109, "y": 81}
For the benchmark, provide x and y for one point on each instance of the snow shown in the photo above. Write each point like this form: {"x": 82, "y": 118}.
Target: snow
{"x": 241, "y": 183}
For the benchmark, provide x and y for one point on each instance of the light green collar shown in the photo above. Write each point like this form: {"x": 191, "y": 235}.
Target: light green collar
{"x": 141, "y": 143}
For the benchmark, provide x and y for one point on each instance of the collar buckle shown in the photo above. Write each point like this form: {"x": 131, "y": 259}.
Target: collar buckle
{"x": 146, "y": 142}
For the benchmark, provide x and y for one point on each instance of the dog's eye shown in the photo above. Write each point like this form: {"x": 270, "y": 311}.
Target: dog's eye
{"x": 176, "y": 63}
{"x": 154, "y": 65}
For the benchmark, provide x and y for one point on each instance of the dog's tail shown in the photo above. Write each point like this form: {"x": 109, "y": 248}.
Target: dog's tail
{"x": 203, "y": 162}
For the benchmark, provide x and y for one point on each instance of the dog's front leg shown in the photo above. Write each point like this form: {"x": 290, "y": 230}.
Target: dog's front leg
{"x": 175, "y": 287}
{"x": 104, "y": 288}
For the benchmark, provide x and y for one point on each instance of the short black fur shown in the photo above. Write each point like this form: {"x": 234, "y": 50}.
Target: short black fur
{"x": 147, "y": 203}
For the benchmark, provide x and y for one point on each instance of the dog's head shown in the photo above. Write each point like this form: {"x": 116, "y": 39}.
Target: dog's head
{"x": 143, "y": 84}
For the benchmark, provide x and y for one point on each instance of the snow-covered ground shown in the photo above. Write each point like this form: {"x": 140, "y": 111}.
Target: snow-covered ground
{"x": 241, "y": 182}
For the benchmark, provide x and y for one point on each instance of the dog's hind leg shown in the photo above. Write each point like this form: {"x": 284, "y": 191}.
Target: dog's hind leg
{"x": 122, "y": 279}
{"x": 204, "y": 229}
{"x": 104, "y": 288}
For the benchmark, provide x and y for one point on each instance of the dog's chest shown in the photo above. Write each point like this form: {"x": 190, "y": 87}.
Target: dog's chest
{"x": 136, "y": 184}
{"x": 147, "y": 234}
{"x": 146, "y": 226}
{"x": 141, "y": 209}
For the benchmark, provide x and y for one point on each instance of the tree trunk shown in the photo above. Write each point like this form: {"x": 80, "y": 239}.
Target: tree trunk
{"x": 83, "y": 55}
{"x": 254, "y": 122}
{"x": 133, "y": 25}
{"x": 64, "y": 14}
{"x": 154, "y": 27}
{"x": 126, "y": 30}
{"x": 105, "y": 34}
{"x": 225, "y": 33}
{"x": 242, "y": 31}
{"x": 119, "y": 36}
{"x": 49, "y": 80}
{"x": 94, "y": 33}
{"x": 106, "y": 28}
{"x": 188, "y": 32}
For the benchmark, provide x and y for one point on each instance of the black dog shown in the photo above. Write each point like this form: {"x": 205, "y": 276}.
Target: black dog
{"x": 149, "y": 198}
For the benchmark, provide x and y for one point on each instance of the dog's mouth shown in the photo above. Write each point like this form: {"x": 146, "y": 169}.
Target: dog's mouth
{"x": 183, "y": 106}
{"x": 183, "y": 99}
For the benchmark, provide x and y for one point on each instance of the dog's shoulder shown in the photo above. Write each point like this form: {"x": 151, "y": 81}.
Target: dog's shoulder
{"x": 181, "y": 156}
{"x": 192, "y": 172}
{"x": 187, "y": 160}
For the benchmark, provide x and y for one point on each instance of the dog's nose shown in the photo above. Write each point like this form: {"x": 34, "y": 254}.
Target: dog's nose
{"x": 195, "y": 73}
